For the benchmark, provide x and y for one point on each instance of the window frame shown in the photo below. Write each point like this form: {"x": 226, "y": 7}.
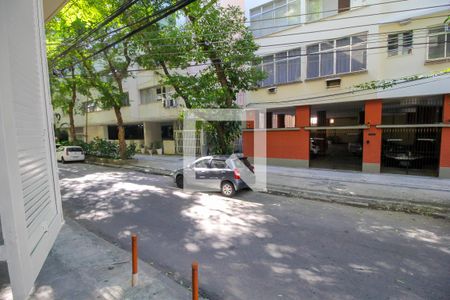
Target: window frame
{"x": 352, "y": 48}
{"x": 289, "y": 61}
{"x": 403, "y": 46}
{"x": 160, "y": 93}
{"x": 446, "y": 33}
{"x": 256, "y": 16}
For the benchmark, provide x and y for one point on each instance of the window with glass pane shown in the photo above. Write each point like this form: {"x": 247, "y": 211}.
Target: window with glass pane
{"x": 294, "y": 65}
{"x": 400, "y": 43}
{"x": 148, "y": 95}
{"x": 313, "y": 10}
{"x": 293, "y": 11}
{"x": 438, "y": 42}
{"x": 281, "y": 67}
{"x": 274, "y": 16}
{"x": 392, "y": 44}
{"x": 407, "y": 39}
{"x": 326, "y": 58}
{"x": 313, "y": 61}
{"x": 343, "y": 55}
{"x": 436, "y": 46}
{"x": 339, "y": 56}
{"x": 269, "y": 70}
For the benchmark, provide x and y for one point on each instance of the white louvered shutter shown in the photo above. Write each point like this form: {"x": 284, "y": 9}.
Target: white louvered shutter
{"x": 31, "y": 213}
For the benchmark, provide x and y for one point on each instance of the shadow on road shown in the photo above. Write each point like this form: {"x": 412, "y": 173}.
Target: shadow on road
{"x": 261, "y": 246}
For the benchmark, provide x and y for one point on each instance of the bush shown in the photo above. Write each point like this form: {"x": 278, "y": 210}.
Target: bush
{"x": 104, "y": 148}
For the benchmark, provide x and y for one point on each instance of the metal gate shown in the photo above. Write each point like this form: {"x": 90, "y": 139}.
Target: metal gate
{"x": 412, "y": 151}
{"x": 194, "y": 140}
{"x": 336, "y": 149}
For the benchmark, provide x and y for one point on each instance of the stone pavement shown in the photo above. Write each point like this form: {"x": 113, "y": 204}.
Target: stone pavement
{"x": 418, "y": 194}
{"x": 82, "y": 266}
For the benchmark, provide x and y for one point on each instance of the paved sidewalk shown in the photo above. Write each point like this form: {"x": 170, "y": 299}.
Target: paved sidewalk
{"x": 425, "y": 195}
{"x": 83, "y": 266}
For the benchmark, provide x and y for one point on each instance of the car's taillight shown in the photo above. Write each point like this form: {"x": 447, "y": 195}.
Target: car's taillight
{"x": 236, "y": 174}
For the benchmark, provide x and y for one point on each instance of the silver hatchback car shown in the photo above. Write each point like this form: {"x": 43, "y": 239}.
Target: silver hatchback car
{"x": 216, "y": 173}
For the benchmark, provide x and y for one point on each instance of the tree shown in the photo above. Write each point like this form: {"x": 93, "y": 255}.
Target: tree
{"x": 217, "y": 41}
{"x": 65, "y": 88}
{"x": 103, "y": 73}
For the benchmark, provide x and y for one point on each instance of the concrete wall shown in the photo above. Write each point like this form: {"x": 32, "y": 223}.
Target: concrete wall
{"x": 152, "y": 133}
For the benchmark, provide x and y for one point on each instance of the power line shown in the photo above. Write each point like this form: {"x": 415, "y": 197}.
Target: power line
{"x": 103, "y": 23}
{"x": 310, "y": 41}
{"x": 316, "y": 53}
{"x": 157, "y": 16}
{"x": 309, "y": 32}
{"x": 323, "y": 11}
{"x": 312, "y": 96}
{"x": 415, "y": 46}
{"x": 337, "y": 19}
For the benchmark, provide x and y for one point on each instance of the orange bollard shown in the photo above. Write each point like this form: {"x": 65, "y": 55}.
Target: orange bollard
{"x": 195, "y": 280}
{"x": 134, "y": 258}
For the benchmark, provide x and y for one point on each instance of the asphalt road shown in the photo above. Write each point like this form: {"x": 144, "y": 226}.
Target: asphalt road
{"x": 259, "y": 246}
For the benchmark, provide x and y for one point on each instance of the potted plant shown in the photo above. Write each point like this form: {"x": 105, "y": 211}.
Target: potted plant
{"x": 158, "y": 147}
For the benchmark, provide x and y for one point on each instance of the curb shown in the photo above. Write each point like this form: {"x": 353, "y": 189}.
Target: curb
{"x": 440, "y": 212}
{"x": 436, "y": 211}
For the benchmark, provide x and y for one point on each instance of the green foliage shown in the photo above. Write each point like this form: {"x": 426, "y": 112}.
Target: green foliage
{"x": 104, "y": 148}
{"x": 213, "y": 38}
{"x": 385, "y": 83}
{"x": 157, "y": 145}
{"x": 221, "y": 136}
{"x": 217, "y": 42}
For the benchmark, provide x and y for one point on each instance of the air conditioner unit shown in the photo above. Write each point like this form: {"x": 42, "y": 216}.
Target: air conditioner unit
{"x": 333, "y": 82}
{"x": 272, "y": 90}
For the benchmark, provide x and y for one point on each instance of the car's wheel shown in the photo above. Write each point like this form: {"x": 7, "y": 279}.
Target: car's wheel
{"x": 227, "y": 189}
{"x": 62, "y": 160}
{"x": 179, "y": 181}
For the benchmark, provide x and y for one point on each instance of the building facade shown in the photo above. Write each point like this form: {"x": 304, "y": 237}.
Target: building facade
{"x": 151, "y": 114}
{"x": 320, "y": 55}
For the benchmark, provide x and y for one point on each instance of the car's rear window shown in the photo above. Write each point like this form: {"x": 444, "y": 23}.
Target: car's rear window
{"x": 246, "y": 162}
{"x": 218, "y": 164}
{"x": 74, "y": 149}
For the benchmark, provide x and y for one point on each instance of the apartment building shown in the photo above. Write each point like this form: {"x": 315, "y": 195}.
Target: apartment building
{"x": 316, "y": 53}
{"x": 151, "y": 112}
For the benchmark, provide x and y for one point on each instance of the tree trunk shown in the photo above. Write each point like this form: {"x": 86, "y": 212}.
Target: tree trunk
{"x": 121, "y": 133}
{"x": 72, "y": 135}
{"x": 177, "y": 88}
{"x": 218, "y": 65}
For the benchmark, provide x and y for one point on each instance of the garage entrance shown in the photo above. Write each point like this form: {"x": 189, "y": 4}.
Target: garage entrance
{"x": 336, "y": 149}
{"x": 336, "y": 136}
{"x": 413, "y": 151}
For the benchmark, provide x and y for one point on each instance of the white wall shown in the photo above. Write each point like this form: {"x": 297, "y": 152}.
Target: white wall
{"x": 30, "y": 200}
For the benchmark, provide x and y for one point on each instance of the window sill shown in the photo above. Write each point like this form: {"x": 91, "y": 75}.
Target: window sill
{"x": 272, "y": 129}
{"x": 337, "y": 75}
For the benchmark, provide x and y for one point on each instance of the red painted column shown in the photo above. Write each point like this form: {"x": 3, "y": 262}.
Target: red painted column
{"x": 247, "y": 134}
{"x": 302, "y": 120}
{"x": 444, "y": 162}
{"x": 372, "y": 137}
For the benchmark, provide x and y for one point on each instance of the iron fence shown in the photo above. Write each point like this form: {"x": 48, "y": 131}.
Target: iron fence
{"x": 411, "y": 151}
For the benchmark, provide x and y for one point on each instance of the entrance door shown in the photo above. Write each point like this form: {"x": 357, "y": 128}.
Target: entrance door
{"x": 339, "y": 149}
{"x": 413, "y": 151}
